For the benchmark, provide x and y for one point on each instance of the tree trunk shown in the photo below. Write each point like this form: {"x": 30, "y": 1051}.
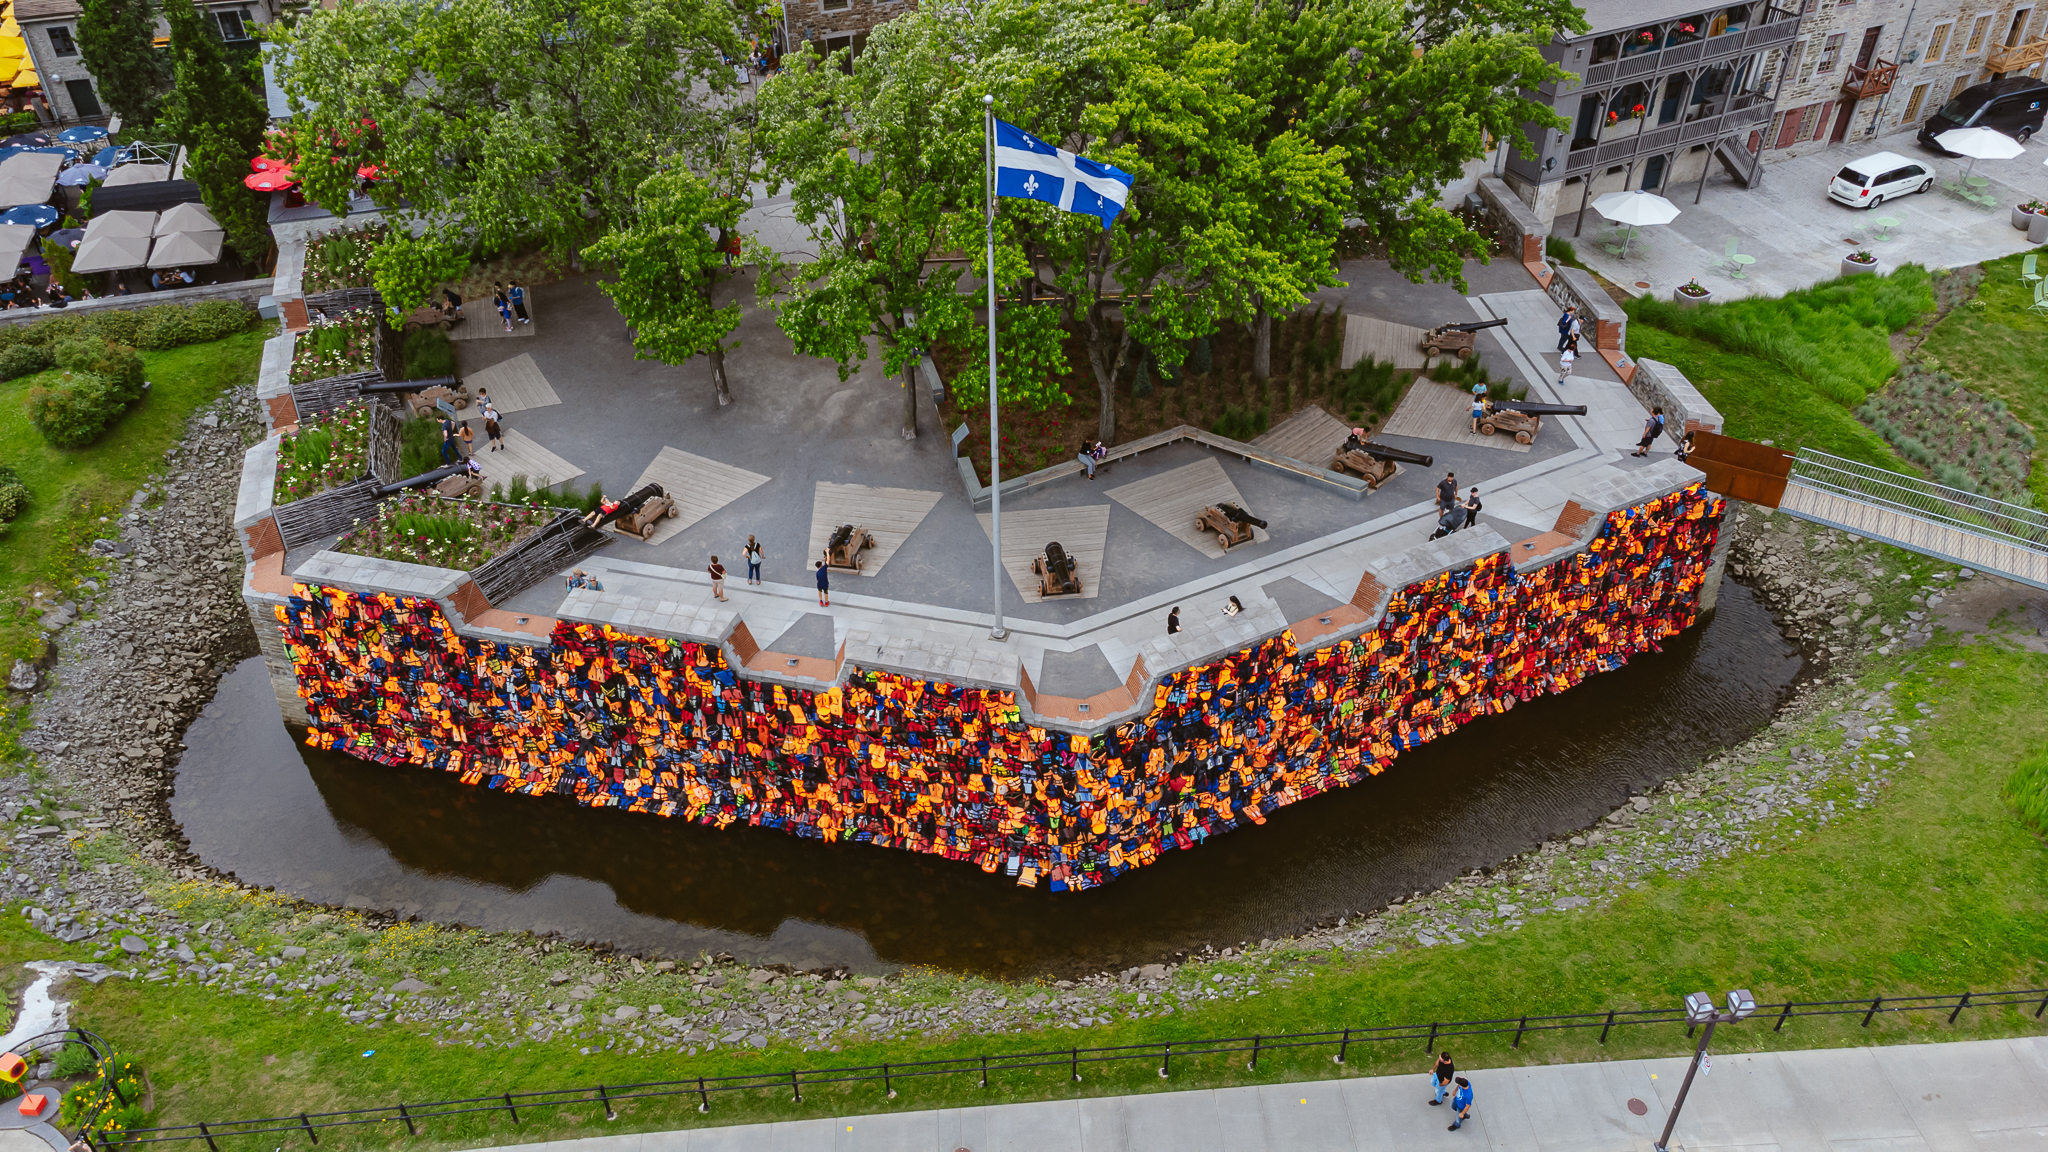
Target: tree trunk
{"x": 1105, "y": 362}
{"x": 718, "y": 374}
{"x": 1262, "y": 344}
{"x": 910, "y": 401}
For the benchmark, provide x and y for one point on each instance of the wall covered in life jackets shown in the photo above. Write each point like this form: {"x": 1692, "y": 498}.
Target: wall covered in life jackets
{"x": 667, "y": 727}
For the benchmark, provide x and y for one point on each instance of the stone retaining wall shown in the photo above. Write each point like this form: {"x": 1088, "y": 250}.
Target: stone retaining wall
{"x": 246, "y": 291}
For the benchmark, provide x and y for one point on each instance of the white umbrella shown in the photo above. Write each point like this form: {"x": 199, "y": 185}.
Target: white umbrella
{"x": 138, "y": 174}
{"x": 1979, "y": 144}
{"x": 110, "y": 253}
{"x": 132, "y": 223}
{"x": 182, "y": 248}
{"x": 186, "y": 217}
{"x": 17, "y": 240}
{"x": 1635, "y": 209}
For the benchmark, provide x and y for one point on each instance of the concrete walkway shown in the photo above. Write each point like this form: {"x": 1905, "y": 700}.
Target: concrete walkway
{"x": 1985, "y": 1094}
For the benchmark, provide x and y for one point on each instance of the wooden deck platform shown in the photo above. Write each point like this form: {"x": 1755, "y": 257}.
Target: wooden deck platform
{"x": 892, "y": 514}
{"x": 699, "y": 486}
{"x": 1383, "y": 340}
{"x": 514, "y": 386}
{"x": 1311, "y": 436}
{"x": 1173, "y": 499}
{"x": 1082, "y": 531}
{"x": 523, "y": 457}
{"x": 480, "y": 321}
{"x": 1432, "y": 411}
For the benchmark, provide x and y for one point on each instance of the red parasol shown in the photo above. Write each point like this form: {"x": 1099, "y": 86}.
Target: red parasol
{"x": 267, "y": 164}
{"x": 370, "y": 172}
{"x": 272, "y": 180}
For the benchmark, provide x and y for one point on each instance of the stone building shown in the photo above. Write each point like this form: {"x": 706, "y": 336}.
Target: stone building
{"x": 1658, "y": 92}
{"x": 50, "y": 28}
{"x": 834, "y": 24}
{"x": 1867, "y": 68}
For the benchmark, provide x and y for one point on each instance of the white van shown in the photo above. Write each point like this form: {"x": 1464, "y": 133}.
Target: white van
{"x": 1871, "y": 181}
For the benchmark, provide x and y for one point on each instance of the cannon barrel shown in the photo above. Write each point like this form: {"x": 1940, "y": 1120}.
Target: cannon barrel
{"x": 1400, "y": 455}
{"x": 1532, "y": 408}
{"x": 1472, "y": 326}
{"x": 410, "y": 385}
{"x": 424, "y": 478}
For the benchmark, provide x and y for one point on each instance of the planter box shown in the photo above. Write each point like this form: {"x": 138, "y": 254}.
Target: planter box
{"x": 2037, "y": 228}
{"x": 1852, "y": 268}
{"x": 1679, "y": 298}
{"x": 2021, "y": 217}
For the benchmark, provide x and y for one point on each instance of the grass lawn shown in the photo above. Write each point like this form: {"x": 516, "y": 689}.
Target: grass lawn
{"x": 70, "y": 489}
{"x": 1761, "y": 401}
{"x": 2000, "y": 347}
{"x": 1937, "y": 888}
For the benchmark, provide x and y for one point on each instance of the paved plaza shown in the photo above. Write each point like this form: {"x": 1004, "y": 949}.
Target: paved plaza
{"x": 1799, "y": 236}
{"x": 801, "y": 451}
{"x": 1984, "y": 1095}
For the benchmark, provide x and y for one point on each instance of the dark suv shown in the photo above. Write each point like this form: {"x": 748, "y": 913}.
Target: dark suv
{"x": 2013, "y": 106}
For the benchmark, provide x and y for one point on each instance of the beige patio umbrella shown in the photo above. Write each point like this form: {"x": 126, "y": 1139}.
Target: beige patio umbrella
{"x": 16, "y": 242}
{"x": 1635, "y": 209}
{"x": 190, "y": 216}
{"x": 27, "y": 177}
{"x": 180, "y": 249}
{"x": 138, "y": 174}
{"x": 121, "y": 224}
{"x": 110, "y": 253}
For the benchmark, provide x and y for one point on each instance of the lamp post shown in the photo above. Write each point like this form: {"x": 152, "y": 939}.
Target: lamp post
{"x": 1700, "y": 1010}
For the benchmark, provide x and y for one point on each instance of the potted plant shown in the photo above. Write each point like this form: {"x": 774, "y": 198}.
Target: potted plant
{"x": 1858, "y": 264}
{"x": 1691, "y": 294}
{"x": 2023, "y": 214}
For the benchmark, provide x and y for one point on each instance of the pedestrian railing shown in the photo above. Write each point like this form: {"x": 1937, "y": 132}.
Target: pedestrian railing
{"x": 986, "y": 1070}
{"x": 1993, "y": 519}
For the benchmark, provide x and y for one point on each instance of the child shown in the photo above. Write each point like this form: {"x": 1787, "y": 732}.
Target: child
{"x": 1565, "y": 358}
{"x": 1478, "y": 409}
{"x": 824, "y": 587}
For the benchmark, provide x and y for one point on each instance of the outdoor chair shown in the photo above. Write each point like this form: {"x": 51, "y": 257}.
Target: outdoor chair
{"x": 2027, "y": 273}
{"x": 2040, "y": 303}
{"x": 1735, "y": 261}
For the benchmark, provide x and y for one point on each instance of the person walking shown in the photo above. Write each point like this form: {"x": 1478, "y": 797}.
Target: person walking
{"x": 517, "y": 293}
{"x": 1440, "y": 1077}
{"x": 1652, "y": 428}
{"x": 824, "y": 587}
{"x": 1173, "y": 620}
{"x": 1566, "y": 357}
{"x": 752, "y": 555}
{"x": 492, "y": 431}
{"x": 1478, "y": 409}
{"x": 1461, "y": 1105}
{"x": 503, "y": 305}
{"x": 1471, "y": 509}
{"x": 1447, "y": 492}
{"x": 1567, "y": 326}
{"x": 717, "y": 571}
{"x": 465, "y": 441}
{"x": 448, "y": 443}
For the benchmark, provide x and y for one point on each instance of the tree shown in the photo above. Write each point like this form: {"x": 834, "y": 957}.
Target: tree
{"x": 877, "y": 160}
{"x": 669, "y": 264}
{"x": 406, "y": 269}
{"x": 214, "y": 112}
{"x": 116, "y": 43}
{"x": 506, "y": 120}
{"x": 218, "y": 163}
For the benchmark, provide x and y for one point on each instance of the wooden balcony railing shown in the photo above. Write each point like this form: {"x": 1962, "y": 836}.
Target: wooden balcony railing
{"x": 1863, "y": 83}
{"x": 2018, "y": 57}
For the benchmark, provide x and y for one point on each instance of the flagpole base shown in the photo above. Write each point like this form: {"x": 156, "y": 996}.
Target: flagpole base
{"x": 999, "y": 633}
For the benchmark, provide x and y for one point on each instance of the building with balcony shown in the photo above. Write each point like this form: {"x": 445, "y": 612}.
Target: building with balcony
{"x": 1866, "y": 68}
{"x": 1658, "y": 93}
{"x": 50, "y": 28}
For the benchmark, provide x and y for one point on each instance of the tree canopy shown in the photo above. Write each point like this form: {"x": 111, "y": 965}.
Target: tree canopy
{"x": 116, "y": 42}
{"x": 217, "y": 115}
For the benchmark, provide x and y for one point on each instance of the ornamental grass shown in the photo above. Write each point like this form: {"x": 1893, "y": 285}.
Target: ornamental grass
{"x": 443, "y": 532}
{"x": 326, "y": 452}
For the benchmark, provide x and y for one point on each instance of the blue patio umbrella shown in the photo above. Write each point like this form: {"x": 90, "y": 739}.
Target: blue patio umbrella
{"x": 28, "y": 139}
{"x": 54, "y": 149}
{"x": 83, "y": 134}
{"x": 109, "y": 156}
{"x": 33, "y": 215}
{"x": 79, "y": 175}
{"x": 68, "y": 237}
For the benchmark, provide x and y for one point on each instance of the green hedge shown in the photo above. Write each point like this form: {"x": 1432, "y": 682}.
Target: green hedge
{"x": 153, "y": 329}
{"x": 13, "y": 494}
{"x": 72, "y": 410}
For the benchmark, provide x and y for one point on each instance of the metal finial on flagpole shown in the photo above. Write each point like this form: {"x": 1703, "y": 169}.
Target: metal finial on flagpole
{"x": 995, "y": 440}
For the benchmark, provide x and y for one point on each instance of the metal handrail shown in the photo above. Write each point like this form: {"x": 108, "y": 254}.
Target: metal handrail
{"x": 1984, "y": 516}
{"x": 1161, "y": 1055}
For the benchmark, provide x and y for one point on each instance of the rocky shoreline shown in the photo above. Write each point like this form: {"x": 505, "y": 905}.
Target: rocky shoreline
{"x": 142, "y": 651}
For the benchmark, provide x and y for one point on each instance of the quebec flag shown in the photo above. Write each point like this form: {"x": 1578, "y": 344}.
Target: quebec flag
{"x": 1028, "y": 168}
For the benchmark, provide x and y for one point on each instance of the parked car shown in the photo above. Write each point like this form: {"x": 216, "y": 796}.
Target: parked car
{"x": 2013, "y": 106}
{"x": 1879, "y": 177}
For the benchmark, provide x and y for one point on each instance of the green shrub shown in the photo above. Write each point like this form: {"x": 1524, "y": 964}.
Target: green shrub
{"x": 1370, "y": 384}
{"x": 1241, "y": 423}
{"x": 521, "y": 489}
{"x": 590, "y": 499}
{"x": 13, "y": 494}
{"x": 420, "y": 449}
{"x": 428, "y": 353}
{"x": 1560, "y": 249}
{"x": 165, "y": 326}
{"x": 1835, "y": 335}
{"x": 217, "y": 319}
{"x": 2027, "y": 790}
{"x": 120, "y": 364}
{"x": 74, "y": 409}
{"x": 1200, "y": 356}
{"x": 24, "y": 360}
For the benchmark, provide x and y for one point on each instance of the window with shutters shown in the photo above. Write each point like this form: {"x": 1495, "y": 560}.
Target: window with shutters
{"x": 1977, "y": 31}
{"x": 1937, "y": 42}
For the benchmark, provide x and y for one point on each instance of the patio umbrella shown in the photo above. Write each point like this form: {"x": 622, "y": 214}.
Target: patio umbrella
{"x": 16, "y": 242}
{"x": 1979, "y": 144}
{"x": 83, "y": 134}
{"x": 274, "y": 180}
{"x": 138, "y": 174}
{"x": 109, "y": 253}
{"x": 1635, "y": 209}
{"x": 27, "y": 139}
{"x": 187, "y": 217}
{"x": 182, "y": 249}
{"x": 68, "y": 237}
{"x": 79, "y": 175}
{"x": 26, "y": 78}
{"x": 114, "y": 154}
{"x": 33, "y": 215}
{"x": 141, "y": 224}
{"x": 26, "y": 178}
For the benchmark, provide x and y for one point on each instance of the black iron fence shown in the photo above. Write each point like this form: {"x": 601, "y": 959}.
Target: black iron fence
{"x": 986, "y": 1069}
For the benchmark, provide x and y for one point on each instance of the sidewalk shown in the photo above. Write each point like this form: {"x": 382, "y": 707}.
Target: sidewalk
{"x": 1985, "y": 1094}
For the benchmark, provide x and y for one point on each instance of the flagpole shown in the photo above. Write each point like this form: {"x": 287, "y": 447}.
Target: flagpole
{"x": 995, "y": 440}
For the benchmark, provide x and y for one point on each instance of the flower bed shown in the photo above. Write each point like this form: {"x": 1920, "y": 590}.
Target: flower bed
{"x": 341, "y": 258}
{"x": 324, "y": 453}
{"x": 336, "y": 347}
{"x": 423, "y": 528}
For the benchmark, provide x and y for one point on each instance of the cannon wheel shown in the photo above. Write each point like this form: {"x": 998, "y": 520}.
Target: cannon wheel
{"x": 1486, "y": 428}
{"x": 1431, "y": 350}
{"x": 673, "y": 511}
{"x": 647, "y": 533}
{"x": 1223, "y": 538}
{"x": 1523, "y": 438}
{"x": 1464, "y": 353}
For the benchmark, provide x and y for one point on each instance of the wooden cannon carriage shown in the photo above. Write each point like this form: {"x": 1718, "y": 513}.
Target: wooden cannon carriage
{"x": 1058, "y": 573}
{"x": 1231, "y": 524}
{"x": 1522, "y": 419}
{"x": 1374, "y": 463}
{"x": 643, "y": 520}
{"x": 423, "y": 397}
{"x": 1455, "y": 339}
{"x": 464, "y": 483}
{"x": 847, "y": 542}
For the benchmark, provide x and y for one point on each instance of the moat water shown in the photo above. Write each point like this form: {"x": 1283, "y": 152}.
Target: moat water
{"x": 326, "y": 827}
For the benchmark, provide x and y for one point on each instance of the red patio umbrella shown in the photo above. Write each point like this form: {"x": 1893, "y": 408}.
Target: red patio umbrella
{"x": 266, "y": 164}
{"x": 271, "y": 180}
{"x": 370, "y": 172}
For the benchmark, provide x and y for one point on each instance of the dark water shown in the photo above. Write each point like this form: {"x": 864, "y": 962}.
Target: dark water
{"x": 338, "y": 830}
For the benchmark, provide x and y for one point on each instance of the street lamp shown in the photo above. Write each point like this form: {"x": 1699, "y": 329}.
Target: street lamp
{"x": 1700, "y": 1010}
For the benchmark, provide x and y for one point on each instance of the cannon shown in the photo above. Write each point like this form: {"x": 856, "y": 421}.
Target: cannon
{"x": 420, "y": 397}
{"x": 435, "y": 478}
{"x": 1058, "y": 573}
{"x": 1231, "y": 524}
{"x": 1522, "y": 419}
{"x": 638, "y": 514}
{"x": 843, "y": 549}
{"x": 1455, "y": 339}
{"x": 1374, "y": 463}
